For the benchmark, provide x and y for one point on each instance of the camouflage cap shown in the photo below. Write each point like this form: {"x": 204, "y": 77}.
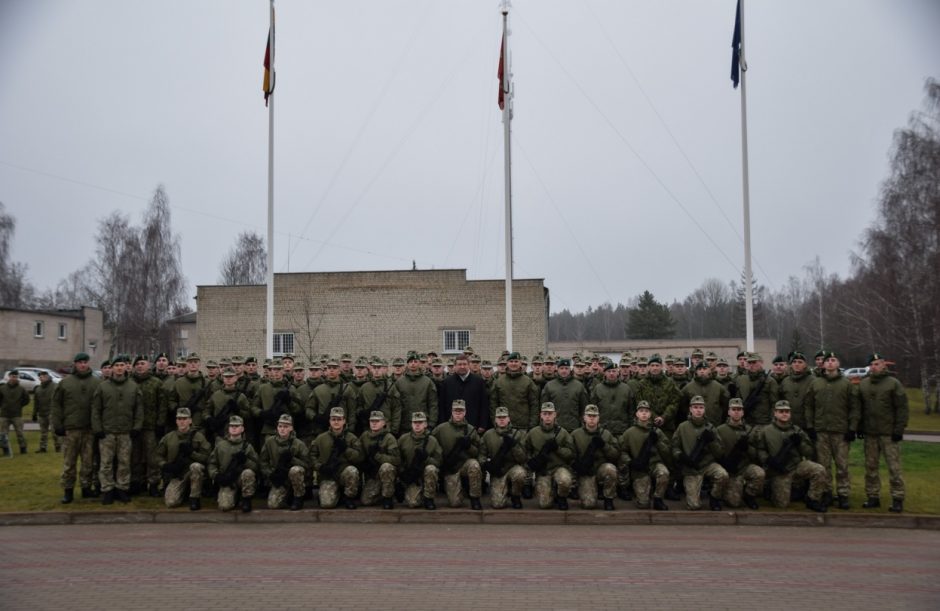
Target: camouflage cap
{"x": 643, "y": 405}
{"x": 236, "y": 421}
{"x": 697, "y": 400}
{"x": 537, "y": 359}
{"x": 225, "y": 362}
{"x": 376, "y": 361}
{"x": 419, "y": 417}
{"x": 697, "y": 353}
{"x": 210, "y": 364}
{"x": 475, "y": 358}
{"x": 432, "y": 353}
{"x": 346, "y": 357}
{"x": 642, "y": 361}
{"x": 722, "y": 363}
{"x": 669, "y": 359}
{"x": 376, "y": 415}
{"x": 361, "y": 362}
{"x": 285, "y": 419}
{"x": 192, "y": 356}
{"x": 458, "y": 405}
{"x": 298, "y": 364}
{"x": 486, "y": 365}
{"x": 437, "y": 362}
{"x": 398, "y": 361}
{"x": 315, "y": 366}
{"x": 238, "y": 360}
{"x": 229, "y": 372}
{"x": 681, "y": 361}
{"x": 736, "y": 402}
{"x": 502, "y": 412}
{"x": 782, "y": 404}
{"x": 412, "y": 356}
{"x": 468, "y": 350}
{"x": 276, "y": 364}
{"x": 180, "y": 362}
{"x": 332, "y": 363}
{"x": 548, "y": 406}
{"x": 754, "y": 357}
{"x": 183, "y": 412}
{"x": 337, "y": 412}
{"x": 591, "y": 410}
{"x": 710, "y": 356}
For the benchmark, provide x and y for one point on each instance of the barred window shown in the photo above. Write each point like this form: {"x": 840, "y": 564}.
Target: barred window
{"x": 63, "y": 330}
{"x": 39, "y": 329}
{"x": 455, "y": 340}
{"x": 283, "y": 343}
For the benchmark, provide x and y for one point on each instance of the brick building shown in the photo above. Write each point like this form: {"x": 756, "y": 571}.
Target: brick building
{"x": 727, "y": 348}
{"x": 51, "y": 338}
{"x": 386, "y": 313}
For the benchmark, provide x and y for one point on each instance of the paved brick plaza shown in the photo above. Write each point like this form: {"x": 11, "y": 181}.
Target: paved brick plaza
{"x": 403, "y": 566}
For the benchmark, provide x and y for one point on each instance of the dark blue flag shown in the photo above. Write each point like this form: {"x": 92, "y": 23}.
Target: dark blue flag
{"x": 736, "y": 48}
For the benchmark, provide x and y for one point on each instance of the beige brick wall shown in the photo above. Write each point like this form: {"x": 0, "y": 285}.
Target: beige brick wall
{"x": 19, "y": 344}
{"x": 727, "y": 348}
{"x": 385, "y": 313}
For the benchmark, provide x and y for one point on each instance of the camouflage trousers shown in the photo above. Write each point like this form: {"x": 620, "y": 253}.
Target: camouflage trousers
{"x": 749, "y": 481}
{"x": 277, "y": 495}
{"x": 382, "y": 485}
{"x": 77, "y": 444}
{"x": 17, "y": 424}
{"x": 144, "y": 459}
{"x": 877, "y": 446}
{"x": 505, "y": 486}
{"x": 606, "y": 478}
{"x": 781, "y": 485}
{"x": 453, "y": 485}
{"x": 115, "y": 445}
{"x": 229, "y": 494}
{"x": 329, "y": 488}
{"x": 44, "y": 429}
{"x": 561, "y": 479}
{"x": 643, "y": 481}
{"x": 176, "y": 488}
{"x": 416, "y": 493}
{"x": 833, "y": 448}
{"x": 693, "y": 485}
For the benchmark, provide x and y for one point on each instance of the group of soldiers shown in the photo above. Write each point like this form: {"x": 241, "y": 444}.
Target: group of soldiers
{"x": 361, "y": 431}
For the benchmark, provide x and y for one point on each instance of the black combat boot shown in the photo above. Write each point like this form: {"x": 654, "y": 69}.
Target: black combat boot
{"x": 527, "y": 491}
{"x": 349, "y": 503}
{"x": 122, "y": 496}
{"x": 475, "y": 503}
{"x": 562, "y": 503}
{"x": 23, "y": 450}
{"x": 750, "y": 502}
{"x": 714, "y": 504}
{"x": 297, "y": 504}
{"x": 625, "y": 492}
{"x": 843, "y": 502}
{"x": 108, "y": 498}
{"x": 608, "y": 504}
{"x": 68, "y": 495}
{"x": 817, "y": 506}
{"x": 673, "y": 491}
{"x": 516, "y": 502}
{"x": 195, "y": 504}
{"x": 573, "y": 494}
{"x": 660, "y": 505}
{"x": 429, "y": 504}
{"x": 387, "y": 503}
{"x": 399, "y": 492}
{"x": 873, "y": 502}
{"x": 246, "y": 504}
{"x": 135, "y": 488}
{"x": 154, "y": 490}
{"x": 897, "y": 506}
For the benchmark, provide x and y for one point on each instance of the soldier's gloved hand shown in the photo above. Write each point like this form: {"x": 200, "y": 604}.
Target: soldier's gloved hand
{"x": 896, "y": 437}
{"x": 551, "y": 445}
{"x": 508, "y": 441}
{"x": 775, "y": 464}
{"x": 421, "y": 454}
{"x": 597, "y": 442}
{"x": 812, "y": 434}
{"x": 742, "y": 442}
{"x": 708, "y": 436}
{"x": 340, "y": 443}
{"x": 100, "y": 435}
{"x": 168, "y": 472}
{"x": 185, "y": 448}
{"x": 654, "y": 435}
{"x": 60, "y": 432}
{"x": 240, "y": 456}
{"x": 795, "y": 437}
{"x": 283, "y": 395}
{"x": 463, "y": 443}
{"x": 849, "y": 436}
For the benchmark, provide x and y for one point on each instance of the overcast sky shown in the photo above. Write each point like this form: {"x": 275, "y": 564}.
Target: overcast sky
{"x": 389, "y": 142}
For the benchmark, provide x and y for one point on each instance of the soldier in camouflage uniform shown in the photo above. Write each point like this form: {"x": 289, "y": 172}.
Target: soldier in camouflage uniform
{"x": 224, "y": 403}
{"x": 13, "y": 398}
{"x": 784, "y": 450}
{"x": 746, "y": 478}
{"x": 413, "y": 392}
{"x": 233, "y": 467}
{"x": 181, "y": 457}
{"x": 502, "y": 456}
{"x": 644, "y": 451}
{"x": 285, "y": 460}
{"x": 116, "y": 418}
{"x": 550, "y": 450}
{"x": 145, "y": 473}
{"x": 331, "y": 392}
{"x": 517, "y": 392}
{"x": 381, "y": 463}
{"x": 420, "y": 461}
{"x": 696, "y": 447}
{"x": 335, "y": 454}
{"x": 795, "y": 386}
{"x": 884, "y": 418}
{"x": 71, "y": 419}
{"x": 716, "y": 396}
{"x": 460, "y": 447}
{"x": 758, "y": 390}
{"x": 190, "y": 390}
{"x": 661, "y": 394}
{"x": 596, "y": 456}
{"x": 568, "y": 395}
{"x": 274, "y": 398}
{"x": 42, "y": 410}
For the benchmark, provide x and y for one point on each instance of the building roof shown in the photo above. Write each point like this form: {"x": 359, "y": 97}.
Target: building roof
{"x": 78, "y": 314}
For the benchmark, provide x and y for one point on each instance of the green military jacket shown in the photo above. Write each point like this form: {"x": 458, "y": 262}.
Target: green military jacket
{"x": 71, "y": 402}
{"x": 274, "y": 447}
{"x": 491, "y": 449}
{"x": 586, "y": 460}
{"x": 219, "y": 410}
{"x": 560, "y": 456}
{"x": 684, "y": 441}
{"x": 13, "y": 398}
{"x": 616, "y": 404}
{"x": 272, "y": 401}
{"x": 448, "y": 434}
{"x": 716, "y": 398}
{"x": 409, "y": 442}
{"x": 379, "y": 448}
{"x": 330, "y": 394}
{"x": 518, "y": 393}
{"x": 116, "y": 407}
{"x": 190, "y": 391}
{"x": 413, "y": 392}
{"x": 42, "y": 398}
{"x": 771, "y": 439}
{"x": 738, "y": 447}
{"x": 663, "y": 397}
{"x": 884, "y": 405}
{"x": 321, "y": 449}
{"x": 151, "y": 400}
{"x": 633, "y": 440}
{"x": 794, "y": 389}
{"x": 225, "y": 451}
{"x": 168, "y": 448}
{"x": 570, "y": 398}
{"x": 766, "y": 393}
{"x": 832, "y": 404}
{"x": 368, "y": 396}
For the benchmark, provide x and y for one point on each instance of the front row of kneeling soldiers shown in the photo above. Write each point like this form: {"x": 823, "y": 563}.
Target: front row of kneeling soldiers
{"x": 587, "y": 464}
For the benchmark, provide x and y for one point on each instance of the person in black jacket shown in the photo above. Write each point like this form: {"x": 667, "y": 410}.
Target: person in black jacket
{"x": 469, "y": 387}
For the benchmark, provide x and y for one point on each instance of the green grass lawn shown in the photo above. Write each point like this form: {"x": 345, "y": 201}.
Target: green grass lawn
{"x": 919, "y": 421}
{"x": 31, "y": 482}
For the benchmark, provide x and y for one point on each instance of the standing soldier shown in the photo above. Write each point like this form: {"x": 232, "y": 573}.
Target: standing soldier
{"x": 334, "y": 454}
{"x": 757, "y": 390}
{"x": 181, "y": 456}
{"x": 745, "y": 477}
{"x": 661, "y": 394}
{"x": 832, "y": 415}
{"x": 502, "y": 456}
{"x": 644, "y": 453}
{"x": 374, "y": 395}
{"x": 223, "y": 404}
{"x": 596, "y": 456}
{"x": 568, "y": 396}
{"x": 381, "y": 463}
{"x": 696, "y": 447}
{"x": 460, "y": 447}
{"x": 42, "y": 411}
{"x": 145, "y": 474}
{"x": 716, "y": 396}
{"x": 794, "y": 388}
{"x": 332, "y": 392}
{"x": 414, "y": 392}
{"x": 116, "y": 418}
{"x": 13, "y": 398}
{"x": 884, "y": 418}
{"x": 357, "y": 384}
{"x": 71, "y": 419}
{"x": 614, "y": 400}
{"x": 778, "y": 369}
{"x": 274, "y": 399}
{"x": 191, "y": 391}
{"x": 517, "y": 392}
{"x": 421, "y": 461}
{"x": 549, "y": 449}
{"x": 284, "y": 460}
{"x": 233, "y": 467}
{"x": 785, "y": 450}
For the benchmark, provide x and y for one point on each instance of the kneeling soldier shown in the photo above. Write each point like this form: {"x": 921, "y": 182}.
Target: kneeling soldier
{"x": 503, "y": 457}
{"x": 181, "y": 456}
{"x": 460, "y": 446}
{"x": 597, "y": 454}
{"x": 784, "y": 450}
{"x": 696, "y": 447}
{"x": 335, "y": 454}
{"x": 381, "y": 463}
{"x": 739, "y": 458}
{"x": 232, "y": 466}
{"x": 550, "y": 451}
{"x": 284, "y": 459}
{"x": 421, "y": 461}
{"x": 645, "y": 451}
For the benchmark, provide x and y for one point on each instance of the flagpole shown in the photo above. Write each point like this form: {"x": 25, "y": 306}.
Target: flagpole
{"x": 505, "y": 85}
{"x": 748, "y": 282}
{"x": 269, "y": 311}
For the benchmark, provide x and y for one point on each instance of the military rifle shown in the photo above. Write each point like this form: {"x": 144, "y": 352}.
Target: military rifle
{"x": 416, "y": 467}
{"x": 733, "y": 458}
{"x": 584, "y": 466}
{"x": 777, "y": 461}
{"x": 371, "y": 465}
{"x": 462, "y": 443}
{"x": 328, "y": 468}
{"x": 279, "y": 476}
{"x": 234, "y": 468}
{"x": 703, "y": 439}
{"x": 537, "y": 463}
{"x": 754, "y": 396}
{"x": 642, "y": 460}
{"x": 495, "y": 466}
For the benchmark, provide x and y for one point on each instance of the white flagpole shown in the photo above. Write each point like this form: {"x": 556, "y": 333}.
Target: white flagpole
{"x": 507, "y": 119}
{"x": 269, "y": 320}
{"x": 748, "y": 292}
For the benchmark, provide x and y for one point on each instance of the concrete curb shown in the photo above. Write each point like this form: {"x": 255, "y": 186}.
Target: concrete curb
{"x": 465, "y": 516}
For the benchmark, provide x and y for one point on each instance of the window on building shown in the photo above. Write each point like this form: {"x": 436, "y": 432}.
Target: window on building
{"x": 283, "y": 343}
{"x": 184, "y": 333}
{"x": 456, "y": 340}
{"x": 39, "y": 329}
{"x": 63, "y": 330}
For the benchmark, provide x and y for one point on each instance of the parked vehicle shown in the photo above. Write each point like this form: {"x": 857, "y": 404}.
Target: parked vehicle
{"x": 29, "y": 376}
{"x": 856, "y": 373}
